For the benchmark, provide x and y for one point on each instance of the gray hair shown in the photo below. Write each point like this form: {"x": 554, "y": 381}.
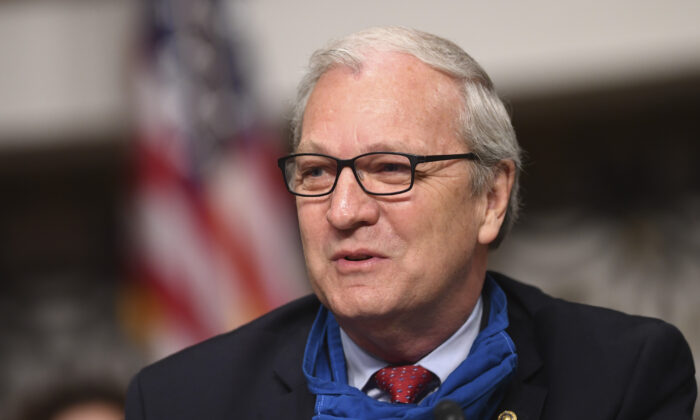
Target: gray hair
{"x": 484, "y": 123}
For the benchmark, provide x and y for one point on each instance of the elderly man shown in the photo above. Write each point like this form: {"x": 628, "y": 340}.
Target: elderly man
{"x": 405, "y": 171}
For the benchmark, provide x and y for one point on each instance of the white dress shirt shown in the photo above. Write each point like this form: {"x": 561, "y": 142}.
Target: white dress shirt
{"x": 441, "y": 361}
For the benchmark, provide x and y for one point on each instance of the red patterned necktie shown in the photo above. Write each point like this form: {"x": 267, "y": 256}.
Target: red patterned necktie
{"x": 405, "y": 383}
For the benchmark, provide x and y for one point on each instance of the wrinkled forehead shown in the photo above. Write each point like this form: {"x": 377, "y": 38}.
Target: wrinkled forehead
{"x": 392, "y": 96}
{"x": 395, "y": 74}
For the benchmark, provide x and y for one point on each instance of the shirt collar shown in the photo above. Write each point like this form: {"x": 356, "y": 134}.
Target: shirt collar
{"x": 441, "y": 361}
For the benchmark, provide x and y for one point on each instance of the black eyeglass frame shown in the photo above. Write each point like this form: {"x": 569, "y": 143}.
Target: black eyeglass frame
{"x": 350, "y": 163}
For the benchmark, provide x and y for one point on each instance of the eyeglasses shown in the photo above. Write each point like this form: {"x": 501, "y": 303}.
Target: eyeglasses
{"x": 378, "y": 173}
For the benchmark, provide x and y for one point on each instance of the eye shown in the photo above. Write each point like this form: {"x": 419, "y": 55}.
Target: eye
{"x": 315, "y": 168}
{"x": 389, "y": 166}
{"x": 313, "y": 172}
{"x": 394, "y": 167}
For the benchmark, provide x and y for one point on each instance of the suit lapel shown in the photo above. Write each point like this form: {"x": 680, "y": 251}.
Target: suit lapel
{"x": 296, "y": 404}
{"x": 527, "y": 392}
{"x": 525, "y": 400}
{"x": 525, "y": 395}
{"x": 291, "y": 399}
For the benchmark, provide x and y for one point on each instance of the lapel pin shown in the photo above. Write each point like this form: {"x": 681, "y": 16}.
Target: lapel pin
{"x": 507, "y": 415}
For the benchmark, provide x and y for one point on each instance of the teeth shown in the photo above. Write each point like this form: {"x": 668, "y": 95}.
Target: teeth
{"x": 358, "y": 258}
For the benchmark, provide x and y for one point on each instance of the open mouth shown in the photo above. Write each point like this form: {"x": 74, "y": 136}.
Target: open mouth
{"x": 358, "y": 257}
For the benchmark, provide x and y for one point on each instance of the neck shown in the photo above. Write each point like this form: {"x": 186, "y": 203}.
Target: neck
{"x": 408, "y": 337}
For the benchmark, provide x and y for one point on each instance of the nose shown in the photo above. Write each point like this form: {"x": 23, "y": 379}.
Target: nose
{"x": 350, "y": 207}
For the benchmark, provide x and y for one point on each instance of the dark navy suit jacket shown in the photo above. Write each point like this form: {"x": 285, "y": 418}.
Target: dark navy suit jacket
{"x": 574, "y": 362}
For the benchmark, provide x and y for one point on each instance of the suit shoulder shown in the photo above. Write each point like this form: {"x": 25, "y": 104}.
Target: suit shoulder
{"x": 625, "y": 366}
{"x": 286, "y": 319}
{"x": 529, "y": 301}
{"x": 255, "y": 342}
{"x": 590, "y": 322}
{"x": 562, "y": 328}
{"x": 590, "y": 334}
{"x": 199, "y": 381}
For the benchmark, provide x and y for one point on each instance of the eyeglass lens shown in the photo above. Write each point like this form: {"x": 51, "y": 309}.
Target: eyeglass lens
{"x": 379, "y": 173}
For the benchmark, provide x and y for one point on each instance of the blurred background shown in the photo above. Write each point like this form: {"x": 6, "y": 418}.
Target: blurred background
{"x": 143, "y": 211}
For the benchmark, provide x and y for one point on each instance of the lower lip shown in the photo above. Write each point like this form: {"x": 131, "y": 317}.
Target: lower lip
{"x": 347, "y": 266}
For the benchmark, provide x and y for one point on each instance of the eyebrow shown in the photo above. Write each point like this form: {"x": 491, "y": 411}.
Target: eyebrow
{"x": 312, "y": 146}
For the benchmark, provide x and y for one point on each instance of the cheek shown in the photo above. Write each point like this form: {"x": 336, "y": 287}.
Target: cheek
{"x": 309, "y": 226}
{"x": 311, "y": 211}
{"x": 445, "y": 224}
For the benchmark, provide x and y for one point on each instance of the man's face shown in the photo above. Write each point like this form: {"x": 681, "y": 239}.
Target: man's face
{"x": 372, "y": 257}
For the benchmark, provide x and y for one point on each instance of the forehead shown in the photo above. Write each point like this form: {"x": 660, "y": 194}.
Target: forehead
{"x": 394, "y": 101}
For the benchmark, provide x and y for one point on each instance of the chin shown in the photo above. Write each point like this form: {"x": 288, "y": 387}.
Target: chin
{"x": 359, "y": 305}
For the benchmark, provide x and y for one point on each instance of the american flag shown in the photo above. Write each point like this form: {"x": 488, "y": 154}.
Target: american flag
{"x": 214, "y": 241}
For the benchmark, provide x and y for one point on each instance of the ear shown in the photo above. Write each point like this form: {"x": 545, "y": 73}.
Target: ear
{"x": 497, "y": 202}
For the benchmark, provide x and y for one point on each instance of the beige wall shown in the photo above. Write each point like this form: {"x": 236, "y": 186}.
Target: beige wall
{"x": 64, "y": 63}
